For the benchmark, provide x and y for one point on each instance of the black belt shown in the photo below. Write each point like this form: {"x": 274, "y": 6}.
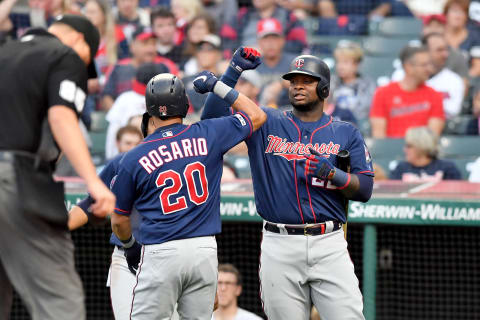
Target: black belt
{"x": 306, "y": 230}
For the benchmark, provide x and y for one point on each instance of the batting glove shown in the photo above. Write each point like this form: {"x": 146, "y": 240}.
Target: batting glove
{"x": 245, "y": 58}
{"x": 205, "y": 82}
{"x": 133, "y": 254}
{"x": 319, "y": 166}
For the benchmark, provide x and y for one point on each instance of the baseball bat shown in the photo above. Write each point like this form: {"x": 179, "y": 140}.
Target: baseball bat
{"x": 343, "y": 163}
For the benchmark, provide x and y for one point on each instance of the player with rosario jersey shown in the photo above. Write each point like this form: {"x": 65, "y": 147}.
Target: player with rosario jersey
{"x": 300, "y": 194}
{"x": 172, "y": 179}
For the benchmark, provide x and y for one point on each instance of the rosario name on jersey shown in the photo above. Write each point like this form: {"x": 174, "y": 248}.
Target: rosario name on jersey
{"x": 276, "y": 151}
{"x": 173, "y": 178}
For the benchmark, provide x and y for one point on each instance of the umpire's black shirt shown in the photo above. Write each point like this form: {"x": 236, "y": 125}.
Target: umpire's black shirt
{"x": 36, "y": 72}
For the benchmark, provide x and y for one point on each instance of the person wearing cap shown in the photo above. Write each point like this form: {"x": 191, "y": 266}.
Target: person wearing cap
{"x": 208, "y": 56}
{"x": 435, "y": 23}
{"x": 120, "y": 78}
{"x": 276, "y": 62}
{"x": 43, "y": 87}
{"x": 243, "y": 30}
{"x": 129, "y": 104}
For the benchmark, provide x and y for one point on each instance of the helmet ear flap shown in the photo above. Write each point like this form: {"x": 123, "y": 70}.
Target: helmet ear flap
{"x": 323, "y": 91}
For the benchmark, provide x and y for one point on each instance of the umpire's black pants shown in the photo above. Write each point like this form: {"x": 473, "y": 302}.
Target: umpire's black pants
{"x": 36, "y": 257}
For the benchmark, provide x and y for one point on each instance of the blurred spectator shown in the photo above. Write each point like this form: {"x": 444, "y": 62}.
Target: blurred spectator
{"x": 208, "y": 56}
{"x": 249, "y": 84}
{"x": 184, "y": 11}
{"x": 127, "y": 138}
{"x": 421, "y": 163}
{"x": 229, "y": 289}
{"x": 349, "y": 89}
{"x": 442, "y": 79}
{"x": 224, "y": 11}
{"x": 340, "y": 114}
{"x": 128, "y": 104}
{"x": 459, "y": 36}
{"x": 421, "y": 8}
{"x": 163, "y": 26}
{"x": 113, "y": 46}
{"x": 243, "y": 31}
{"x": 200, "y": 26}
{"x": 409, "y": 102}
{"x": 275, "y": 62}
{"x": 120, "y": 78}
{"x": 130, "y": 17}
{"x": 135, "y": 121}
{"x": 41, "y": 14}
{"x": 301, "y": 8}
{"x": 456, "y": 61}
{"x": 334, "y": 8}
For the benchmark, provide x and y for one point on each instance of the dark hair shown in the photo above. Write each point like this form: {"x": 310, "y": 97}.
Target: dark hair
{"x": 409, "y": 51}
{"x": 464, "y": 4}
{"x": 160, "y": 12}
{"x": 427, "y": 37}
{"x": 230, "y": 268}
{"x": 190, "y": 48}
{"x": 128, "y": 129}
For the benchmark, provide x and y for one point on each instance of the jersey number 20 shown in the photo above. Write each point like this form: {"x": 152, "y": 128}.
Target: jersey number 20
{"x": 176, "y": 204}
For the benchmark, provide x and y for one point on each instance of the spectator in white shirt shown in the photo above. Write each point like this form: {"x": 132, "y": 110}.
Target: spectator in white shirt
{"x": 228, "y": 290}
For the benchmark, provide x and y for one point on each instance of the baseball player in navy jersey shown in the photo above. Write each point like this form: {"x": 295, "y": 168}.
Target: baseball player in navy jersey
{"x": 172, "y": 179}
{"x": 300, "y": 194}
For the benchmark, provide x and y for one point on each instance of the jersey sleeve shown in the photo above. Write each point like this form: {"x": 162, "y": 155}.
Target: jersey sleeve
{"x": 67, "y": 83}
{"x": 231, "y": 130}
{"x": 378, "y": 105}
{"x": 123, "y": 186}
{"x": 360, "y": 159}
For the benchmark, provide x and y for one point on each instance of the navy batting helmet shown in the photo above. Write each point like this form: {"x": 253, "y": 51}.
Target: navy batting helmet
{"x": 312, "y": 66}
{"x": 165, "y": 96}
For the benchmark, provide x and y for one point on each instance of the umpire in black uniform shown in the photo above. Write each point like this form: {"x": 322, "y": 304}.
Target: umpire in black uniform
{"x": 43, "y": 85}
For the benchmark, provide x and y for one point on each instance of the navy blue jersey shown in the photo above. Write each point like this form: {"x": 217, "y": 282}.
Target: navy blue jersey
{"x": 173, "y": 178}
{"x": 106, "y": 175}
{"x": 276, "y": 151}
{"x": 434, "y": 171}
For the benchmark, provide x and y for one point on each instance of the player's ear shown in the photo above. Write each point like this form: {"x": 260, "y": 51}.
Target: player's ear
{"x": 238, "y": 291}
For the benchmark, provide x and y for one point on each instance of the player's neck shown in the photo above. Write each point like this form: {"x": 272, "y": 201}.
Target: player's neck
{"x": 158, "y": 123}
{"x": 311, "y": 115}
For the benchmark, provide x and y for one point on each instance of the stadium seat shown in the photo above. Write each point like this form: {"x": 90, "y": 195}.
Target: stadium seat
{"x": 460, "y": 147}
{"x": 98, "y": 142}
{"x": 463, "y": 166}
{"x": 406, "y": 27}
{"x": 99, "y": 121}
{"x": 383, "y": 46}
{"x": 386, "y": 148}
{"x": 375, "y": 67}
{"x": 327, "y": 44}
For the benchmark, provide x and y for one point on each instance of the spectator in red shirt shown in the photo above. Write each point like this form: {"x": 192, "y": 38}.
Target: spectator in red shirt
{"x": 409, "y": 102}
{"x": 120, "y": 78}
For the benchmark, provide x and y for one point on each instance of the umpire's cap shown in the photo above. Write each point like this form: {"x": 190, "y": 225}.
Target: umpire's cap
{"x": 312, "y": 66}
{"x": 165, "y": 96}
{"x": 90, "y": 34}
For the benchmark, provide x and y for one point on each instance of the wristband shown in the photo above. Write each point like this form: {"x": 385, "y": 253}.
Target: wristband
{"x": 228, "y": 94}
{"x": 230, "y": 77}
{"x": 340, "y": 179}
{"x": 128, "y": 243}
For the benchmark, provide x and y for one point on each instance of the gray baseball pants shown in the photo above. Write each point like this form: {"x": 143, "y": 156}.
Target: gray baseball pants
{"x": 36, "y": 258}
